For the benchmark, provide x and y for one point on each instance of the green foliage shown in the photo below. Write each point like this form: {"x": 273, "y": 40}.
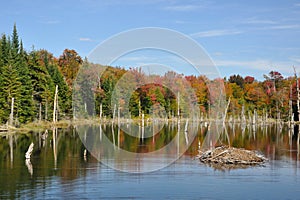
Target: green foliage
{"x": 5, "y": 48}
{"x": 15, "y": 44}
{"x": 134, "y": 104}
{"x": 49, "y": 63}
{"x": 105, "y": 89}
{"x": 26, "y": 104}
{"x": 43, "y": 86}
{"x": 15, "y": 80}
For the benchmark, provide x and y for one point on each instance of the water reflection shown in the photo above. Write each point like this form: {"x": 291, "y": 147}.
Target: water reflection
{"x": 59, "y": 154}
{"x": 142, "y": 153}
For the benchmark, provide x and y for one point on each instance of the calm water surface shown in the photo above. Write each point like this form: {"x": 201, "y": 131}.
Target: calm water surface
{"x": 58, "y": 168}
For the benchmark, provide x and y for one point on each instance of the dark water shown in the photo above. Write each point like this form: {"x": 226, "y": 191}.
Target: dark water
{"x": 58, "y": 168}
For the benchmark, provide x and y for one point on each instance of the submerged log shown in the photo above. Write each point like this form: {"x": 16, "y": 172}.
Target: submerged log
{"x": 29, "y": 151}
{"x": 229, "y": 157}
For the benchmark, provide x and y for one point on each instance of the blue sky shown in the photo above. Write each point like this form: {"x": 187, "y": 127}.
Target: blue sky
{"x": 241, "y": 37}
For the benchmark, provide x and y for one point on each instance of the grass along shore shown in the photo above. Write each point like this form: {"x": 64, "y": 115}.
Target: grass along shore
{"x": 43, "y": 125}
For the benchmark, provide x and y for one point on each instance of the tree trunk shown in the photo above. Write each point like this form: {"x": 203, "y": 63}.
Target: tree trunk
{"x": 291, "y": 106}
{"x": 298, "y": 94}
{"x": 243, "y": 118}
{"x": 40, "y": 113}
{"x": 55, "y": 104}
{"x": 140, "y": 109}
{"x": 226, "y": 110}
{"x": 254, "y": 117}
{"x": 119, "y": 115}
{"x": 114, "y": 113}
{"x": 100, "y": 115}
{"x": 46, "y": 111}
{"x": 11, "y": 117}
{"x": 178, "y": 105}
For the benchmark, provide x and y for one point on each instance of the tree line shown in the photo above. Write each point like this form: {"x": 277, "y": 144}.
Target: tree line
{"x": 28, "y": 78}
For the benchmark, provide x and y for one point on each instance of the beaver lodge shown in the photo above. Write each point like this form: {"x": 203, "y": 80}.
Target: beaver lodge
{"x": 225, "y": 157}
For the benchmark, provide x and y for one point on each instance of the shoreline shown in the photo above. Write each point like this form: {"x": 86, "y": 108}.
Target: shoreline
{"x": 43, "y": 125}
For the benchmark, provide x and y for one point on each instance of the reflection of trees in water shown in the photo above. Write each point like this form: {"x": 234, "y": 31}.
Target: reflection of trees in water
{"x": 15, "y": 170}
{"x": 274, "y": 141}
{"x": 29, "y": 166}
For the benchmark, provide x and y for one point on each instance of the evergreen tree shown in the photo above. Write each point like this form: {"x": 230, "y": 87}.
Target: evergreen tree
{"x": 239, "y": 80}
{"x": 15, "y": 81}
{"x": 64, "y": 93}
{"x": 11, "y": 89}
{"x": 1, "y": 57}
{"x": 134, "y": 104}
{"x": 47, "y": 60}
{"x": 26, "y": 106}
{"x": 83, "y": 92}
{"x": 10, "y": 81}
{"x": 15, "y": 44}
{"x": 2, "y": 96}
{"x": 43, "y": 87}
{"x": 4, "y": 50}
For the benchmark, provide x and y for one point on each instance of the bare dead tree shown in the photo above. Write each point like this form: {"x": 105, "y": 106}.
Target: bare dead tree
{"x": 226, "y": 110}
{"x": 55, "y": 105}
{"x": 11, "y": 116}
{"x": 298, "y": 93}
{"x": 290, "y": 106}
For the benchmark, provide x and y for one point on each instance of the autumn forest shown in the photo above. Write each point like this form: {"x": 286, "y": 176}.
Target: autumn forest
{"x": 28, "y": 81}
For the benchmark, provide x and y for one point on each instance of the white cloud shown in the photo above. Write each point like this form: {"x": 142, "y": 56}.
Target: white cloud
{"x": 282, "y": 27}
{"x": 85, "y": 39}
{"x": 295, "y": 59}
{"x": 259, "y": 65}
{"x": 218, "y": 53}
{"x": 181, "y": 7}
{"x": 181, "y": 22}
{"x": 102, "y": 3}
{"x": 46, "y": 21}
{"x": 214, "y": 33}
{"x": 52, "y": 22}
{"x": 133, "y": 58}
{"x": 259, "y": 21}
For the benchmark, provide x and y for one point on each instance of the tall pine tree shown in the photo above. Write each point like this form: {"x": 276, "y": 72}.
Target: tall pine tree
{"x": 43, "y": 87}
{"x": 26, "y": 106}
{"x": 3, "y": 105}
{"x": 11, "y": 89}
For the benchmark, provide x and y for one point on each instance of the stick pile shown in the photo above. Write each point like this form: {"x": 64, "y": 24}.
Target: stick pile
{"x": 230, "y": 157}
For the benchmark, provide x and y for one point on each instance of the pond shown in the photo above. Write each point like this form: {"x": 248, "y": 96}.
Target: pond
{"x": 65, "y": 163}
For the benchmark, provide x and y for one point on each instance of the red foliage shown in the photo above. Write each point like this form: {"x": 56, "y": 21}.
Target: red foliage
{"x": 249, "y": 79}
{"x": 269, "y": 87}
{"x": 276, "y": 75}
